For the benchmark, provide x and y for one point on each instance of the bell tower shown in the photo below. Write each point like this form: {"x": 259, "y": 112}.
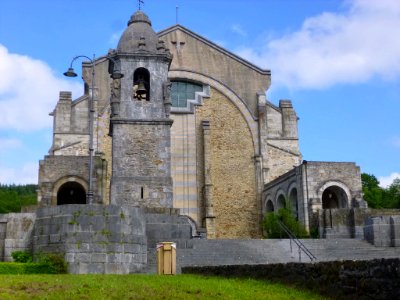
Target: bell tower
{"x": 140, "y": 124}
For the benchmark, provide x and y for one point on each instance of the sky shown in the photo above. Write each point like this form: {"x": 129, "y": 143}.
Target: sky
{"x": 338, "y": 61}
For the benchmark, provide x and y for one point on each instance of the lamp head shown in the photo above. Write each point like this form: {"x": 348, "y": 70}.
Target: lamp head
{"x": 70, "y": 73}
{"x": 116, "y": 74}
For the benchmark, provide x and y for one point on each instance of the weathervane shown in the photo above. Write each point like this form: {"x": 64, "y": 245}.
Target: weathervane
{"x": 140, "y": 3}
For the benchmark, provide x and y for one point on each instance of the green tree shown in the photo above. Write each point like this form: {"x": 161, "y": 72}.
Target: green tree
{"x": 14, "y": 197}
{"x": 378, "y": 197}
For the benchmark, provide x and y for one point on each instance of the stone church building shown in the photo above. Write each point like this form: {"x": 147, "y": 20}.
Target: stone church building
{"x": 187, "y": 127}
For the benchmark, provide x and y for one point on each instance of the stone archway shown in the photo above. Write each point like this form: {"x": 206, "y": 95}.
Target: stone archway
{"x": 334, "y": 197}
{"x": 71, "y": 192}
{"x": 294, "y": 204}
{"x": 269, "y": 206}
{"x": 280, "y": 202}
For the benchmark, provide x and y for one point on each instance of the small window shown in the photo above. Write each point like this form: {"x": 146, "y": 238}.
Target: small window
{"x": 141, "y": 84}
{"x": 181, "y": 92}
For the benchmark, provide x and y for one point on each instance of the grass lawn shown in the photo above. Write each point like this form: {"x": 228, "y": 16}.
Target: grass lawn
{"x": 142, "y": 287}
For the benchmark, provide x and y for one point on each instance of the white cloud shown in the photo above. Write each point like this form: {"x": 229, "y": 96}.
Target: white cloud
{"x": 7, "y": 144}
{"x": 331, "y": 48}
{"x": 28, "y": 174}
{"x": 28, "y": 91}
{"x": 385, "y": 181}
{"x": 238, "y": 30}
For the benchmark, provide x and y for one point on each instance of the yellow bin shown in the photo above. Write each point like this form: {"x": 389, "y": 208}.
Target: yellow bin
{"x": 166, "y": 258}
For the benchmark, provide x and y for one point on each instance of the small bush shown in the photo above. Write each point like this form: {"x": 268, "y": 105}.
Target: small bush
{"x": 273, "y": 230}
{"x": 46, "y": 264}
{"x": 54, "y": 263}
{"x": 21, "y": 256}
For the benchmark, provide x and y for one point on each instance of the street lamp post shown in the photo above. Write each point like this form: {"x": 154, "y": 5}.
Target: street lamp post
{"x": 116, "y": 74}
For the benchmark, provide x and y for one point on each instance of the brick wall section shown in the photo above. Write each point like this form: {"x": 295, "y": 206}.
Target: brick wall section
{"x": 232, "y": 168}
{"x": 374, "y": 279}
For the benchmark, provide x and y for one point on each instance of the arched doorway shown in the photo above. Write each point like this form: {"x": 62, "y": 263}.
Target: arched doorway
{"x": 334, "y": 197}
{"x": 270, "y": 206}
{"x": 294, "y": 206}
{"x": 280, "y": 202}
{"x": 71, "y": 193}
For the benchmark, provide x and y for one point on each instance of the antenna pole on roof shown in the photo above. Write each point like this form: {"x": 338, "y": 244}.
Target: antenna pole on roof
{"x": 177, "y": 11}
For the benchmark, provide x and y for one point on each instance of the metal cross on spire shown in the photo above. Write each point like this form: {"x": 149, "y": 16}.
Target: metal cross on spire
{"x": 140, "y": 3}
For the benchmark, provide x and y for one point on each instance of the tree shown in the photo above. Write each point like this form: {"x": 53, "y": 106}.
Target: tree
{"x": 378, "y": 197}
{"x": 13, "y": 197}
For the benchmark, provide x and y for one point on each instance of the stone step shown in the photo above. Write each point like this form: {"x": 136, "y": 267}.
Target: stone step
{"x": 202, "y": 252}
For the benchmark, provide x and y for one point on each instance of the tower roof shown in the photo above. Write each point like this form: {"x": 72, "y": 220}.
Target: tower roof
{"x": 139, "y": 36}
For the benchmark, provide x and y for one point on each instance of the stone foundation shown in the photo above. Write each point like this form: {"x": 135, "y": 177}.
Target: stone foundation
{"x": 94, "y": 238}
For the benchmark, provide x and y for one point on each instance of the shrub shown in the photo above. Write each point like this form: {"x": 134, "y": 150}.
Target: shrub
{"x": 53, "y": 263}
{"x": 21, "y": 256}
{"x": 46, "y": 264}
{"x": 273, "y": 230}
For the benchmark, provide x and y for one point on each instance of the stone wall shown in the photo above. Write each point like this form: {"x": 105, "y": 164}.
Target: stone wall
{"x": 321, "y": 175}
{"x": 383, "y": 230}
{"x": 232, "y": 168}
{"x": 57, "y": 170}
{"x": 375, "y": 279}
{"x": 94, "y": 238}
{"x": 141, "y": 173}
{"x": 15, "y": 233}
{"x": 192, "y": 52}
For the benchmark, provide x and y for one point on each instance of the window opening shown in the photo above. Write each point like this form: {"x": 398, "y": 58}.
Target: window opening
{"x": 181, "y": 92}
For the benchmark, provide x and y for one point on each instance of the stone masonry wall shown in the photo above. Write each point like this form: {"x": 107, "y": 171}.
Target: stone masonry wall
{"x": 232, "y": 168}
{"x": 94, "y": 238}
{"x": 320, "y": 173}
{"x": 15, "y": 233}
{"x": 60, "y": 169}
{"x": 374, "y": 279}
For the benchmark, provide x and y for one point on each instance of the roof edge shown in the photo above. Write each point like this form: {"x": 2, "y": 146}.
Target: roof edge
{"x": 215, "y": 46}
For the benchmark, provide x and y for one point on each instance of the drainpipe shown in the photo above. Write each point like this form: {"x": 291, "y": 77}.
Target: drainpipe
{"x": 306, "y": 217}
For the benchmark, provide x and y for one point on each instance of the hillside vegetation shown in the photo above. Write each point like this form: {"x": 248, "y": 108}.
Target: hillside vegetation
{"x": 13, "y": 197}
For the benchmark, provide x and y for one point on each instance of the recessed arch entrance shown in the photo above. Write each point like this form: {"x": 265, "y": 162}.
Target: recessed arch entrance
{"x": 71, "y": 192}
{"x": 334, "y": 197}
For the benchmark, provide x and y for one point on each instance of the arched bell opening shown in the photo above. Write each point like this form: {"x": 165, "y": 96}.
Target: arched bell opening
{"x": 141, "y": 84}
{"x": 71, "y": 193}
{"x": 334, "y": 197}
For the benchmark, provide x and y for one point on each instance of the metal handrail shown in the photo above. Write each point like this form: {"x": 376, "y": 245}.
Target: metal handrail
{"x": 301, "y": 246}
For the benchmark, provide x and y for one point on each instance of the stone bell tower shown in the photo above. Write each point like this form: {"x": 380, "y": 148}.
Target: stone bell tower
{"x": 140, "y": 124}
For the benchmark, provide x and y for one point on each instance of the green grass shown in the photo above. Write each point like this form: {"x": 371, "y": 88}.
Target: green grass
{"x": 142, "y": 287}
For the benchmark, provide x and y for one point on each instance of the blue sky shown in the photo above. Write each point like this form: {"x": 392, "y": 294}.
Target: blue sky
{"x": 338, "y": 61}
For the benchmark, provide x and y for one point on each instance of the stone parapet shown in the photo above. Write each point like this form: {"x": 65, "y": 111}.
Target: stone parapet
{"x": 94, "y": 238}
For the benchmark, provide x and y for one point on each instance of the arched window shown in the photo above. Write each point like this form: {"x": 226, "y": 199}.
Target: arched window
{"x": 71, "y": 193}
{"x": 182, "y": 91}
{"x": 141, "y": 84}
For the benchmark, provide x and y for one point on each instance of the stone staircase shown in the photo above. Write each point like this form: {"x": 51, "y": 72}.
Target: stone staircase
{"x": 202, "y": 252}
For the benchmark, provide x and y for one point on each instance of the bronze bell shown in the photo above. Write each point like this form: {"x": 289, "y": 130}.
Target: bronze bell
{"x": 141, "y": 89}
